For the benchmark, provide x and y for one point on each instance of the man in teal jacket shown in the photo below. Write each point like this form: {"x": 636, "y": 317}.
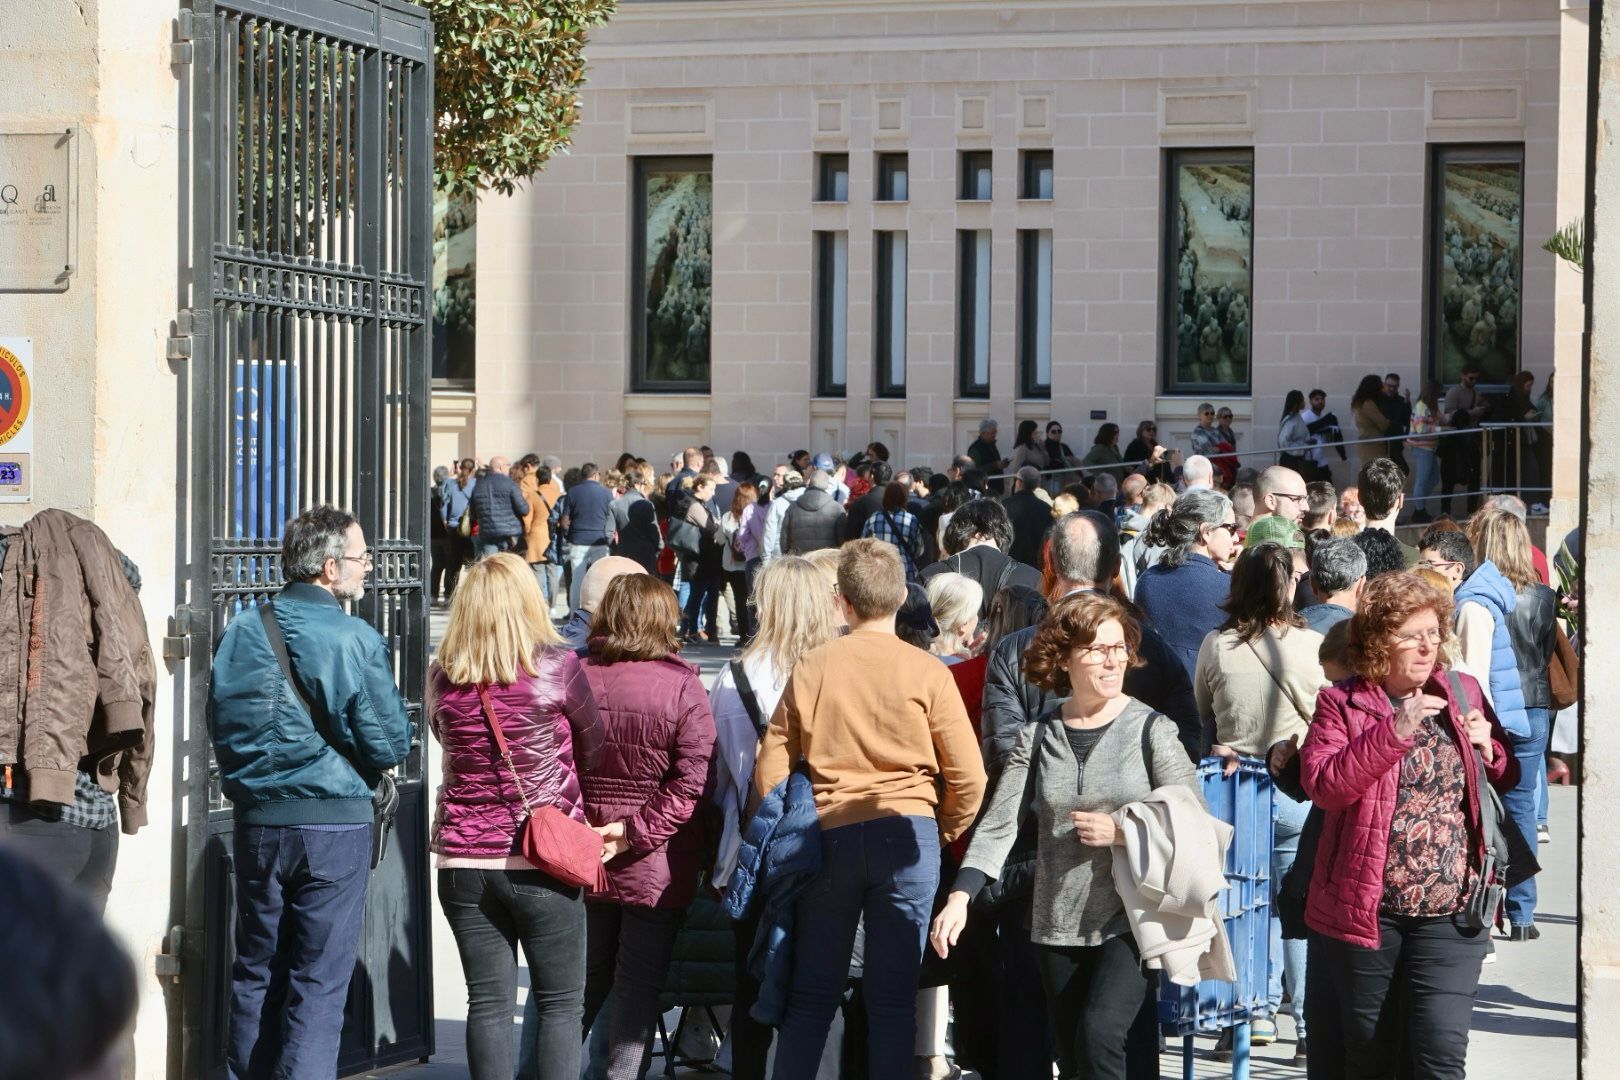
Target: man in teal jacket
{"x": 299, "y": 763}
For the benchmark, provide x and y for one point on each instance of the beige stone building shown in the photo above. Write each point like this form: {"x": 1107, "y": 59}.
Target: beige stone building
{"x": 800, "y": 223}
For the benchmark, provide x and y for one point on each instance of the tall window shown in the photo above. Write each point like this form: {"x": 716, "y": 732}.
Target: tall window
{"x": 1476, "y": 232}
{"x": 975, "y": 179}
{"x": 889, "y": 317}
{"x": 1036, "y": 179}
{"x": 671, "y": 274}
{"x": 1207, "y": 271}
{"x": 832, "y": 313}
{"x": 832, "y": 178}
{"x": 973, "y": 313}
{"x": 893, "y": 174}
{"x": 1035, "y": 313}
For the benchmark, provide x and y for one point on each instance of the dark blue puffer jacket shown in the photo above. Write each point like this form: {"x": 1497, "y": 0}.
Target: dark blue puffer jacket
{"x": 277, "y": 766}
{"x": 1488, "y": 588}
{"x": 780, "y": 855}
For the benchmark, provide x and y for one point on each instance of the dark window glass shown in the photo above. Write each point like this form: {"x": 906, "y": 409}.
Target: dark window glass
{"x": 893, "y": 178}
{"x": 832, "y": 313}
{"x": 975, "y": 175}
{"x": 889, "y": 317}
{"x": 832, "y": 181}
{"x": 973, "y": 313}
{"x": 1035, "y": 313}
{"x": 1476, "y": 232}
{"x": 1037, "y": 175}
{"x": 671, "y": 271}
{"x": 1207, "y": 271}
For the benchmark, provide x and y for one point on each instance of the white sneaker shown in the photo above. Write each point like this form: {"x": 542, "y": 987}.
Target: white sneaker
{"x": 1543, "y": 836}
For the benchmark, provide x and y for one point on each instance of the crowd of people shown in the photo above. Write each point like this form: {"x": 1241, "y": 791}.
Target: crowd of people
{"x": 914, "y": 788}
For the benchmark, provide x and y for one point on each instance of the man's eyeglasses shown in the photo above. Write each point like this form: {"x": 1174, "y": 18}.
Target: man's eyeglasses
{"x": 1289, "y": 495}
{"x": 364, "y": 558}
{"x": 1098, "y": 654}
{"x": 1435, "y": 564}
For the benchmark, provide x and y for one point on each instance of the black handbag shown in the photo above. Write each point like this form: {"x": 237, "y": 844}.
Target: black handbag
{"x": 1508, "y": 858}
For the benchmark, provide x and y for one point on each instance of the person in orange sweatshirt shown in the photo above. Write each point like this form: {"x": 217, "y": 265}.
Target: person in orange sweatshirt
{"x": 897, "y": 774}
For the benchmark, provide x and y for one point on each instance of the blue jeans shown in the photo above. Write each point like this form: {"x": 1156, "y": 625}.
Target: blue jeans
{"x": 701, "y": 611}
{"x": 887, "y": 870}
{"x": 300, "y": 900}
{"x": 494, "y": 545}
{"x": 1287, "y": 957}
{"x": 1523, "y": 805}
{"x": 1425, "y": 478}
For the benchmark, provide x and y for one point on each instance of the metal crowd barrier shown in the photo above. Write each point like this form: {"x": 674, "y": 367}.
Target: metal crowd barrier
{"x": 1244, "y": 801}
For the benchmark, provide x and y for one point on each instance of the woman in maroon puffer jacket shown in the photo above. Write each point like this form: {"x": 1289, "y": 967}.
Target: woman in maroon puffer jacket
{"x": 642, "y": 797}
{"x": 501, "y": 638}
{"x": 1390, "y": 759}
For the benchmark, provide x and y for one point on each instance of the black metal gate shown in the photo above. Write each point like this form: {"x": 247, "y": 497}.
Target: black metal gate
{"x": 311, "y": 210}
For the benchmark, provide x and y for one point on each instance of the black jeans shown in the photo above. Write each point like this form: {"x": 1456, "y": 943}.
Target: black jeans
{"x": 1460, "y": 464}
{"x": 628, "y": 950}
{"x": 750, "y": 1039}
{"x": 1416, "y": 990}
{"x": 460, "y": 554}
{"x": 491, "y": 912}
{"x": 1094, "y": 994}
{"x": 300, "y": 903}
{"x": 741, "y": 613}
{"x": 1024, "y": 1034}
{"x": 84, "y": 858}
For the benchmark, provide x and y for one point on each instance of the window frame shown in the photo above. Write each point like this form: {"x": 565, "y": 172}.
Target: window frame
{"x": 826, "y": 173}
{"x": 1029, "y": 385}
{"x": 1169, "y": 288}
{"x": 882, "y": 176}
{"x": 1027, "y": 171}
{"x": 827, "y": 295}
{"x": 884, "y": 309}
{"x": 640, "y": 383}
{"x": 967, "y": 385}
{"x": 1439, "y": 154}
{"x": 965, "y": 167}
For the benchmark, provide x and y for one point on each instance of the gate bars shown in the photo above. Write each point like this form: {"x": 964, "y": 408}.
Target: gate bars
{"x": 311, "y": 267}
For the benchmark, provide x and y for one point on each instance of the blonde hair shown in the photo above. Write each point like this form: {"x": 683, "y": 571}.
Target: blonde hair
{"x": 1451, "y": 647}
{"x": 871, "y": 577}
{"x": 953, "y": 598}
{"x": 1157, "y": 495}
{"x": 1346, "y": 527}
{"x": 792, "y": 603}
{"x": 1500, "y": 537}
{"x": 1064, "y": 505}
{"x": 825, "y": 560}
{"x": 498, "y": 622}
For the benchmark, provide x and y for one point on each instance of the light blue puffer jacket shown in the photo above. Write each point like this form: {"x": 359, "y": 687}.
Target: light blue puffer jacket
{"x": 1487, "y": 587}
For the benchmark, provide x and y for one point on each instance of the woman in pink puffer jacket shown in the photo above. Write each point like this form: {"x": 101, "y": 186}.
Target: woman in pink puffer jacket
{"x": 500, "y": 637}
{"x": 1393, "y": 759}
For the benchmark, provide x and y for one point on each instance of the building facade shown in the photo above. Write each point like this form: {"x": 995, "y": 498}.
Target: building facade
{"x": 819, "y": 223}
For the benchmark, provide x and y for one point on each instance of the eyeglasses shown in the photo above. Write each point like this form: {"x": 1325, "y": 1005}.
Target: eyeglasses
{"x": 1098, "y": 654}
{"x": 1290, "y": 495}
{"x": 364, "y": 558}
{"x": 1420, "y": 637}
{"x": 1229, "y": 526}
{"x": 1436, "y": 564}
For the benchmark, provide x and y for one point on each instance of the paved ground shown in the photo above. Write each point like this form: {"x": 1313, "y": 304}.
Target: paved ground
{"x": 1524, "y": 1019}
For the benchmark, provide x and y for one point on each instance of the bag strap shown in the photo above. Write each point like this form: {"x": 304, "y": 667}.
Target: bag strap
{"x": 1287, "y": 693}
{"x": 278, "y": 645}
{"x": 501, "y": 745}
{"x": 750, "y": 700}
{"x": 1147, "y": 744}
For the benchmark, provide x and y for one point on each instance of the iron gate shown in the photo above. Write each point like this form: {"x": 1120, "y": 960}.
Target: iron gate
{"x": 311, "y": 208}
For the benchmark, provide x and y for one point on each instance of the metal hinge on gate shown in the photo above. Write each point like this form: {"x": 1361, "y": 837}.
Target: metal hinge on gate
{"x": 168, "y": 962}
{"x": 185, "y": 325}
{"x": 177, "y": 646}
{"x": 182, "y": 38}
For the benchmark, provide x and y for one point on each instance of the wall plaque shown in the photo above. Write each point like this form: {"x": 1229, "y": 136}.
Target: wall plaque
{"x": 16, "y": 420}
{"x": 39, "y": 210}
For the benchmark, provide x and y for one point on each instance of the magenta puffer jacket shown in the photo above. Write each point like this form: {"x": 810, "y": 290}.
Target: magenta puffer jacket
{"x": 658, "y": 736}
{"x": 1350, "y": 767}
{"x": 552, "y": 727}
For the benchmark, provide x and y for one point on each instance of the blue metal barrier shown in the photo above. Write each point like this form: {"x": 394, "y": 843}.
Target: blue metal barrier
{"x": 1244, "y": 801}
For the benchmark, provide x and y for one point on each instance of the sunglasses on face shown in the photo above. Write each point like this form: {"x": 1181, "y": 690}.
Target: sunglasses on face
{"x": 1230, "y": 527}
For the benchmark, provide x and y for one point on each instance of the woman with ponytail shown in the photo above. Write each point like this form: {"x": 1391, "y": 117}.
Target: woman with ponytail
{"x": 1183, "y": 596}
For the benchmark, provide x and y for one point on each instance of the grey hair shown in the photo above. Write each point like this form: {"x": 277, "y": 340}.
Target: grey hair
{"x": 441, "y": 474}
{"x": 1029, "y": 476}
{"x": 1180, "y": 527}
{"x": 1198, "y": 470}
{"x": 1085, "y": 548}
{"x": 987, "y": 423}
{"x": 1511, "y": 503}
{"x": 1337, "y": 564}
{"x": 311, "y": 538}
{"x": 1105, "y": 486}
{"x": 818, "y": 479}
{"x": 792, "y": 480}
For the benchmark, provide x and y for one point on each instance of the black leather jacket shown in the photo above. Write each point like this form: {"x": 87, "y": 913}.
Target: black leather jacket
{"x": 1531, "y": 626}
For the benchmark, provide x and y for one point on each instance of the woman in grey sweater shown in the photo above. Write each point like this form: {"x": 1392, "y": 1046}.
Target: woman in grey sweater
{"x": 1086, "y": 759}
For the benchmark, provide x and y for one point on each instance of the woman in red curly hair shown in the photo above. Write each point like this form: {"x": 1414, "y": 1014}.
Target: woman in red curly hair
{"x": 1390, "y": 759}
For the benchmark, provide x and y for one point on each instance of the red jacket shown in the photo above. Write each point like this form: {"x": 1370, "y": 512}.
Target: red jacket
{"x": 658, "y": 737}
{"x": 550, "y": 724}
{"x": 1350, "y": 766}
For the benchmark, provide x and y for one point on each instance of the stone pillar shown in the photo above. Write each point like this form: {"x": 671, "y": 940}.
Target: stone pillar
{"x": 1600, "y": 827}
{"x": 1569, "y": 317}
